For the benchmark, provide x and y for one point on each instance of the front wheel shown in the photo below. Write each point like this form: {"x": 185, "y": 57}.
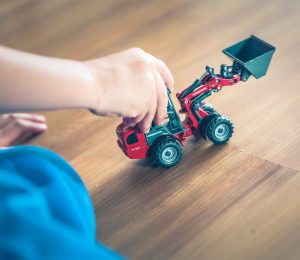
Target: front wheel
{"x": 167, "y": 153}
{"x": 219, "y": 129}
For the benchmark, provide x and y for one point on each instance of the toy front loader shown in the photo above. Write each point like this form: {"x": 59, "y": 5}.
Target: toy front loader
{"x": 163, "y": 144}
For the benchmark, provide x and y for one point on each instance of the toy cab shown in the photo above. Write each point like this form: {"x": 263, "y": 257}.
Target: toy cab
{"x": 162, "y": 143}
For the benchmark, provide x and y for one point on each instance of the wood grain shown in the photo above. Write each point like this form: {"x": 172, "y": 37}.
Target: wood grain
{"x": 237, "y": 201}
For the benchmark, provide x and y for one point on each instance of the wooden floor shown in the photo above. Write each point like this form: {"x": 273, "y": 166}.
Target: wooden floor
{"x": 237, "y": 201}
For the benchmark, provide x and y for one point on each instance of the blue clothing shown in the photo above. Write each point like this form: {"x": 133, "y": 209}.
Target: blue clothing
{"x": 45, "y": 209}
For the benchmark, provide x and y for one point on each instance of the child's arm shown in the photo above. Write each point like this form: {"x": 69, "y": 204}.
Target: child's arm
{"x": 130, "y": 84}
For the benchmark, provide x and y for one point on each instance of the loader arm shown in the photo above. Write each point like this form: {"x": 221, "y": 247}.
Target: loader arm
{"x": 203, "y": 87}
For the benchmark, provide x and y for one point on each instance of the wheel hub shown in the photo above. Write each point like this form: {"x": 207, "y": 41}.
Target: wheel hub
{"x": 169, "y": 154}
{"x": 222, "y": 131}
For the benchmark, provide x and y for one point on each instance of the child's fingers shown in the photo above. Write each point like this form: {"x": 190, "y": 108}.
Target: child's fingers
{"x": 8, "y": 118}
{"x": 17, "y": 128}
{"x": 4, "y": 120}
{"x": 31, "y": 117}
{"x": 129, "y": 121}
{"x": 29, "y": 126}
{"x": 164, "y": 72}
{"x": 157, "y": 110}
{"x": 132, "y": 121}
{"x": 146, "y": 123}
{"x": 162, "y": 99}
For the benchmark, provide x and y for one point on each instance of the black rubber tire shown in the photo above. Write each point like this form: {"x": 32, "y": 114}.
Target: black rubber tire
{"x": 167, "y": 153}
{"x": 209, "y": 109}
{"x": 219, "y": 129}
{"x": 202, "y": 128}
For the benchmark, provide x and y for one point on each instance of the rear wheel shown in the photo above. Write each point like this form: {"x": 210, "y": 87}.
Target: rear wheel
{"x": 219, "y": 129}
{"x": 209, "y": 108}
{"x": 202, "y": 128}
{"x": 167, "y": 153}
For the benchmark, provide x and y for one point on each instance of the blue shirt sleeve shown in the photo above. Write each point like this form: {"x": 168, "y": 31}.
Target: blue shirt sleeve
{"x": 45, "y": 209}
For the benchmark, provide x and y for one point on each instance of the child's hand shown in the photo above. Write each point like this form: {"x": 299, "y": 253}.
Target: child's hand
{"x": 132, "y": 84}
{"x": 16, "y": 126}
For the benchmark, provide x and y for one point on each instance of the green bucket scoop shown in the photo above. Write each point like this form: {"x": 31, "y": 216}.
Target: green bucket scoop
{"x": 252, "y": 56}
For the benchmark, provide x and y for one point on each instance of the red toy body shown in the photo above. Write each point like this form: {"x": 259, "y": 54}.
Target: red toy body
{"x": 163, "y": 144}
{"x": 137, "y": 150}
